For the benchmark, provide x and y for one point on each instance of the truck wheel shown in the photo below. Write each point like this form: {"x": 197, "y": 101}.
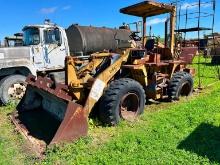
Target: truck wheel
{"x": 181, "y": 84}
{"x": 12, "y": 88}
{"x": 123, "y": 99}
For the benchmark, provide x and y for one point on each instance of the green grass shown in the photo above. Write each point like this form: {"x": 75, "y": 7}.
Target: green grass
{"x": 185, "y": 132}
{"x": 10, "y": 143}
{"x": 208, "y": 72}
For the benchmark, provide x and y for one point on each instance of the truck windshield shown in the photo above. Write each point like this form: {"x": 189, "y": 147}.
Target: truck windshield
{"x": 31, "y": 36}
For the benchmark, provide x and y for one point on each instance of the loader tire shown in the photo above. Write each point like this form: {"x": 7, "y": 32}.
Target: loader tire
{"x": 181, "y": 84}
{"x": 123, "y": 99}
{"x": 12, "y": 88}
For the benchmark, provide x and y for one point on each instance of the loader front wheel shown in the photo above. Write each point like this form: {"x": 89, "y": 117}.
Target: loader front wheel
{"x": 181, "y": 84}
{"x": 12, "y": 88}
{"x": 123, "y": 99}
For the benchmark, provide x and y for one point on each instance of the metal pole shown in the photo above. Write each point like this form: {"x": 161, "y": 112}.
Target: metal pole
{"x": 213, "y": 37}
{"x": 199, "y": 58}
{"x": 166, "y": 34}
{"x": 172, "y": 29}
{"x": 144, "y": 31}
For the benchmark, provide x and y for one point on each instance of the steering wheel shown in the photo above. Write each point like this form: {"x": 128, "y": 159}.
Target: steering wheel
{"x": 135, "y": 36}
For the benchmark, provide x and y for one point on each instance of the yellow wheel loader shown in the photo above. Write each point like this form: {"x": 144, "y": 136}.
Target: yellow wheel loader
{"x": 117, "y": 81}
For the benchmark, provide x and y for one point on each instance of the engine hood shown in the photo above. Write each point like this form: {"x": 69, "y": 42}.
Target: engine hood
{"x": 15, "y": 53}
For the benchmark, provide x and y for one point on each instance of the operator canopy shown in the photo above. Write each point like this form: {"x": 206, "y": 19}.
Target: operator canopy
{"x": 147, "y": 9}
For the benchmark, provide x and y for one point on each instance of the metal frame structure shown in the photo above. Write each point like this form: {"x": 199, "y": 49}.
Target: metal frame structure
{"x": 196, "y": 15}
{"x": 147, "y": 9}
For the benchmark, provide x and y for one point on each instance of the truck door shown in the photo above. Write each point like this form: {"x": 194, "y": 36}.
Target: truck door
{"x": 54, "y": 49}
{"x": 32, "y": 40}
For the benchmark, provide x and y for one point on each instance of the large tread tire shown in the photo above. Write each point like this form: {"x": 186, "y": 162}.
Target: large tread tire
{"x": 181, "y": 84}
{"x": 110, "y": 103}
{"x": 6, "y": 83}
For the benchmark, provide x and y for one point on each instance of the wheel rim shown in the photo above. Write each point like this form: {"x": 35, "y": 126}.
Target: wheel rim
{"x": 185, "y": 89}
{"x": 16, "y": 91}
{"x": 129, "y": 106}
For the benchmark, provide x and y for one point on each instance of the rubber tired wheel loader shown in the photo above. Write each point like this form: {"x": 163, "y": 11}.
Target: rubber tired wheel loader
{"x": 117, "y": 83}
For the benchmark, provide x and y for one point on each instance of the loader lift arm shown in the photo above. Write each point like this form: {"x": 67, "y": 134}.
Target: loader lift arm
{"x": 63, "y": 103}
{"x": 103, "y": 79}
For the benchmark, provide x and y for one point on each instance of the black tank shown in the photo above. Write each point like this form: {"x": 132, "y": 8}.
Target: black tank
{"x": 87, "y": 39}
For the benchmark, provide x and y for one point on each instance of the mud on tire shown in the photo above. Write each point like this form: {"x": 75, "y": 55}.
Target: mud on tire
{"x": 7, "y": 83}
{"x": 123, "y": 99}
{"x": 181, "y": 84}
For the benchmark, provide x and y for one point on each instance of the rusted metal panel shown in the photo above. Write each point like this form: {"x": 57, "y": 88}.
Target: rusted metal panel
{"x": 38, "y": 146}
{"x": 74, "y": 125}
{"x": 88, "y": 39}
{"x": 61, "y": 119}
{"x": 46, "y": 84}
{"x": 147, "y": 9}
{"x": 188, "y": 53}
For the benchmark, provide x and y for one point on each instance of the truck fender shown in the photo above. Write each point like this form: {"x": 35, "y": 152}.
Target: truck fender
{"x": 22, "y": 70}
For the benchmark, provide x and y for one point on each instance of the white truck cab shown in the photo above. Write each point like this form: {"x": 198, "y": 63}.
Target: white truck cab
{"x": 44, "y": 50}
{"x": 48, "y": 45}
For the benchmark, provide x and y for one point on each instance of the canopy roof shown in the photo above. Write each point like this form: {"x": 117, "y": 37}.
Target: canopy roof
{"x": 147, "y": 9}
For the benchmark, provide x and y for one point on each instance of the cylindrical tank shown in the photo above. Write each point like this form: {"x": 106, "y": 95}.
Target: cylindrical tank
{"x": 88, "y": 39}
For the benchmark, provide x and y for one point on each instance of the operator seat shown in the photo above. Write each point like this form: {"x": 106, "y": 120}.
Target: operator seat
{"x": 149, "y": 46}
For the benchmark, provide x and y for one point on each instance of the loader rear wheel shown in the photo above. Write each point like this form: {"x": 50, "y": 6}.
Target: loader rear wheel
{"x": 181, "y": 84}
{"x": 12, "y": 88}
{"x": 123, "y": 99}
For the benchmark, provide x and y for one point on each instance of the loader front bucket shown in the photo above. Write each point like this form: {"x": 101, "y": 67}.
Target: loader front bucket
{"x": 47, "y": 116}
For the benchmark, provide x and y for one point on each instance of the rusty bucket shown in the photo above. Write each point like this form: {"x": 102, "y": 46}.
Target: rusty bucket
{"x": 47, "y": 115}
